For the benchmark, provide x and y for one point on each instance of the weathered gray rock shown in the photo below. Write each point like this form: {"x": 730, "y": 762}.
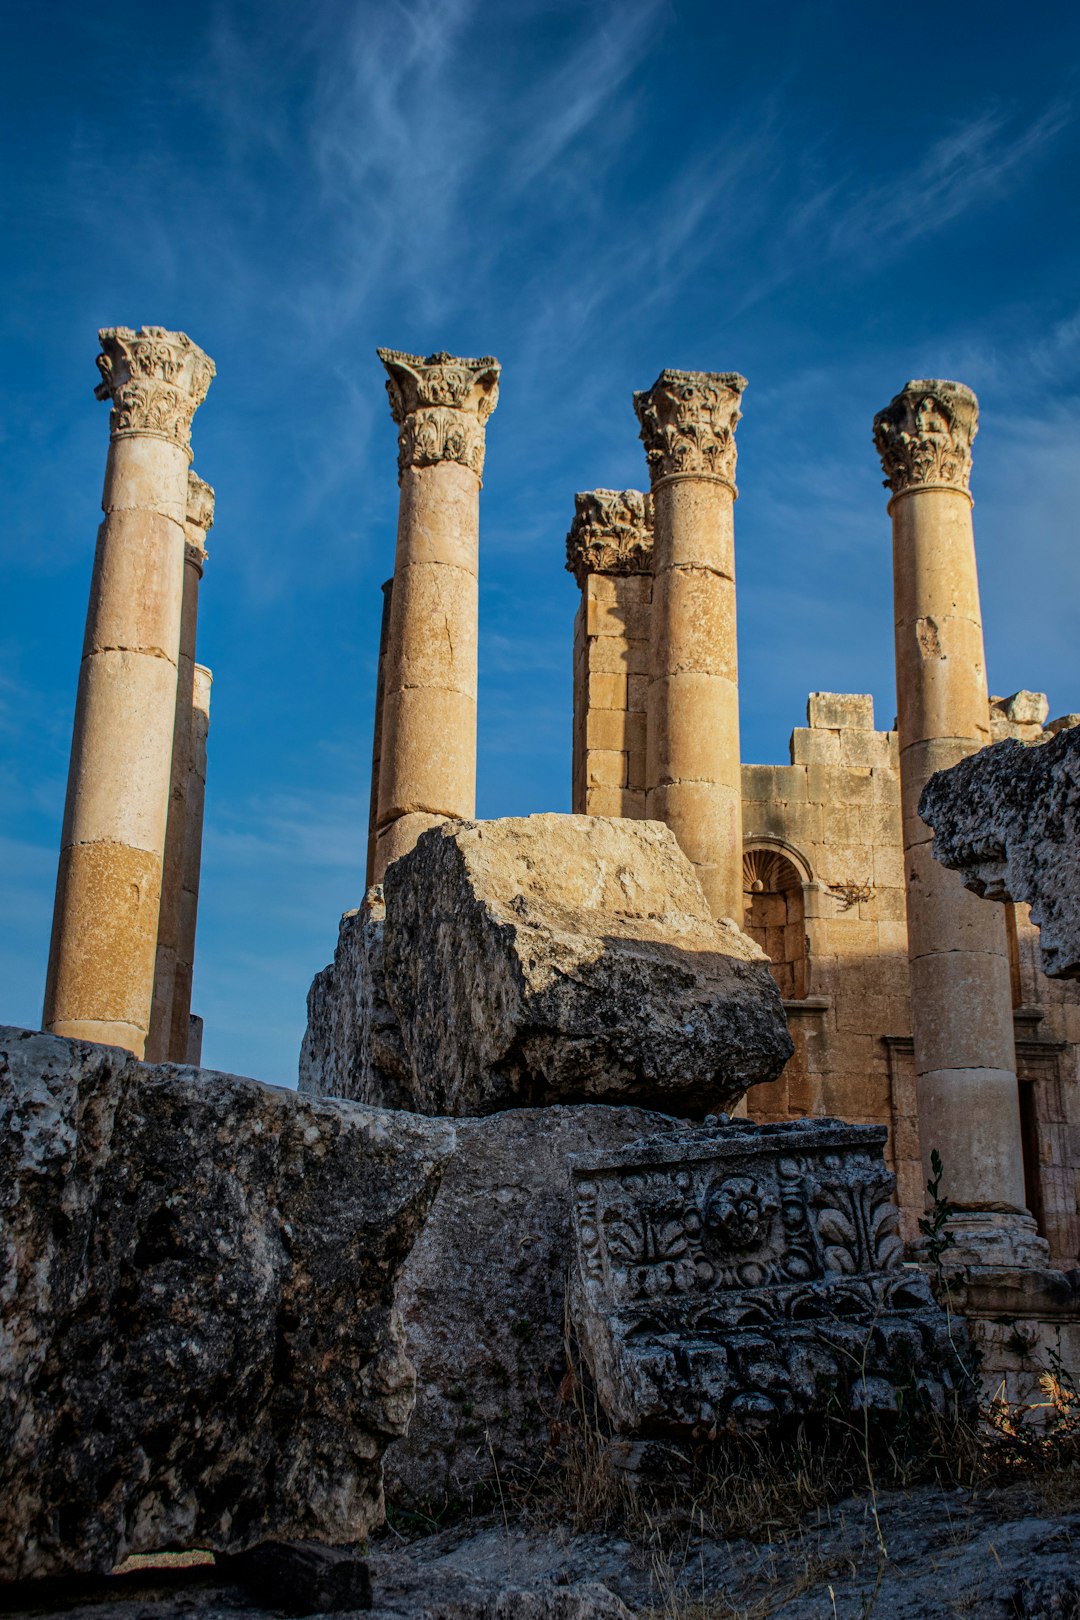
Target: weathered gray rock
{"x": 482, "y": 1298}
{"x": 1008, "y": 820}
{"x": 735, "y": 1276}
{"x": 546, "y": 959}
{"x": 352, "y": 1044}
{"x": 198, "y": 1345}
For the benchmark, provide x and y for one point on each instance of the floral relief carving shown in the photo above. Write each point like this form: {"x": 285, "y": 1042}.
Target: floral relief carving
{"x": 155, "y": 379}
{"x": 688, "y": 421}
{"x": 739, "y": 1267}
{"x": 611, "y": 533}
{"x": 441, "y": 405}
{"x": 924, "y": 436}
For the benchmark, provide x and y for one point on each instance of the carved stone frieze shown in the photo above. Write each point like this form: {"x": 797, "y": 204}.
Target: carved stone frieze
{"x": 924, "y": 436}
{"x": 155, "y": 379}
{"x": 738, "y": 1274}
{"x": 611, "y": 533}
{"x": 688, "y": 421}
{"x": 441, "y": 405}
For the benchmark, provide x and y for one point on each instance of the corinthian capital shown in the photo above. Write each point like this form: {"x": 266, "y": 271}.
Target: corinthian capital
{"x": 924, "y": 436}
{"x": 199, "y": 519}
{"x": 611, "y": 533}
{"x": 156, "y": 380}
{"x": 441, "y": 406}
{"x": 688, "y": 421}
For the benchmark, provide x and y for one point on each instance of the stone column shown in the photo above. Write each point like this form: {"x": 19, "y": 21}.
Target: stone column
{"x": 609, "y": 553}
{"x": 199, "y": 720}
{"x": 965, "y": 1062}
{"x": 376, "y": 740}
{"x": 688, "y": 421}
{"x": 427, "y": 769}
{"x": 108, "y": 890}
{"x": 164, "y": 1044}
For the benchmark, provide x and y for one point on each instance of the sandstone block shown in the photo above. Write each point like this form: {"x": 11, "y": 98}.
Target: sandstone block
{"x": 198, "y": 1344}
{"x": 814, "y": 747}
{"x": 837, "y": 710}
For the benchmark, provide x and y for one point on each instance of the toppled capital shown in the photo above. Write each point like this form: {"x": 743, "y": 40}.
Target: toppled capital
{"x": 611, "y": 533}
{"x": 688, "y": 421}
{"x": 156, "y": 381}
{"x": 924, "y": 436}
{"x": 441, "y": 405}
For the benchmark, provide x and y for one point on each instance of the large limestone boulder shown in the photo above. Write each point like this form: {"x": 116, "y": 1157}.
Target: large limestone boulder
{"x": 198, "y": 1342}
{"x": 483, "y": 1302}
{"x": 1008, "y": 820}
{"x": 545, "y": 959}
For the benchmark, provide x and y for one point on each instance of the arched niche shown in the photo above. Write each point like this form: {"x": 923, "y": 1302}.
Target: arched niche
{"x": 775, "y": 914}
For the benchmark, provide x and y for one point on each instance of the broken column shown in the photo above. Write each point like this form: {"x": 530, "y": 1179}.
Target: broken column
{"x": 688, "y": 421}
{"x": 104, "y": 939}
{"x": 186, "y": 1041}
{"x": 609, "y": 553}
{"x": 958, "y": 955}
{"x": 168, "y": 1037}
{"x": 427, "y": 770}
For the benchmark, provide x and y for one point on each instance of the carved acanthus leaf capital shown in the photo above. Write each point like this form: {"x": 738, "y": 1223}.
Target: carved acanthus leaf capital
{"x": 199, "y": 519}
{"x": 688, "y": 421}
{"x": 611, "y": 533}
{"x": 155, "y": 379}
{"x": 441, "y": 405}
{"x": 924, "y": 436}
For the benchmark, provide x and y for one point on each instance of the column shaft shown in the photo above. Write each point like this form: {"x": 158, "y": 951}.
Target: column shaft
{"x": 427, "y": 765}
{"x": 162, "y": 1045}
{"x": 376, "y": 740}
{"x": 101, "y": 962}
{"x": 180, "y": 1035}
{"x": 958, "y": 954}
{"x": 693, "y": 776}
{"x": 609, "y": 552}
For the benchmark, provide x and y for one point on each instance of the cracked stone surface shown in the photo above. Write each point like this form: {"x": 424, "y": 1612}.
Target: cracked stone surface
{"x": 198, "y": 1338}
{"x": 1008, "y": 820}
{"x": 544, "y": 959}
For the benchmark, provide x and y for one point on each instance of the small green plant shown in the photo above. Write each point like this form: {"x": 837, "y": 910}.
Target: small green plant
{"x": 934, "y": 1225}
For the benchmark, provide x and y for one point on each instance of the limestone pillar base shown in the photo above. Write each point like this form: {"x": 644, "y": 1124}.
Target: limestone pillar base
{"x": 1021, "y": 1320}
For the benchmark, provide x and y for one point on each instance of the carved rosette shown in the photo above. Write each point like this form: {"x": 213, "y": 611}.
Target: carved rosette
{"x": 156, "y": 380}
{"x": 688, "y": 421}
{"x": 441, "y": 406}
{"x": 199, "y": 519}
{"x": 611, "y": 534}
{"x": 924, "y": 436}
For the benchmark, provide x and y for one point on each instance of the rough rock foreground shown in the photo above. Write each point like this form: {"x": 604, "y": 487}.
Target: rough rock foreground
{"x": 544, "y": 959}
{"x": 198, "y": 1343}
{"x": 1008, "y": 820}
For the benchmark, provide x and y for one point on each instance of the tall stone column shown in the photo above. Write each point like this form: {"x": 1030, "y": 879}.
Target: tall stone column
{"x": 164, "y": 1043}
{"x": 609, "y": 553}
{"x": 693, "y": 779}
{"x": 180, "y": 1039}
{"x": 427, "y": 768}
{"x": 376, "y": 739}
{"x": 965, "y": 1061}
{"x": 108, "y": 890}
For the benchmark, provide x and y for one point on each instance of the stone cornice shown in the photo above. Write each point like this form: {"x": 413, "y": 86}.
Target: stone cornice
{"x": 611, "y": 533}
{"x": 688, "y": 421}
{"x": 441, "y": 405}
{"x": 156, "y": 381}
{"x": 924, "y": 436}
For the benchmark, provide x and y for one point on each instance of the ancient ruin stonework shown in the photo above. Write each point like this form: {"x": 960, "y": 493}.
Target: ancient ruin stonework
{"x": 553, "y": 958}
{"x": 483, "y": 1304}
{"x": 734, "y": 1276}
{"x": 198, "y": 1343}
{"x": 1008, "y": 820}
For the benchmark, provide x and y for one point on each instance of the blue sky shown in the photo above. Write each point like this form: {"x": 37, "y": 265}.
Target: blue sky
{"x": 829, "y": 198}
